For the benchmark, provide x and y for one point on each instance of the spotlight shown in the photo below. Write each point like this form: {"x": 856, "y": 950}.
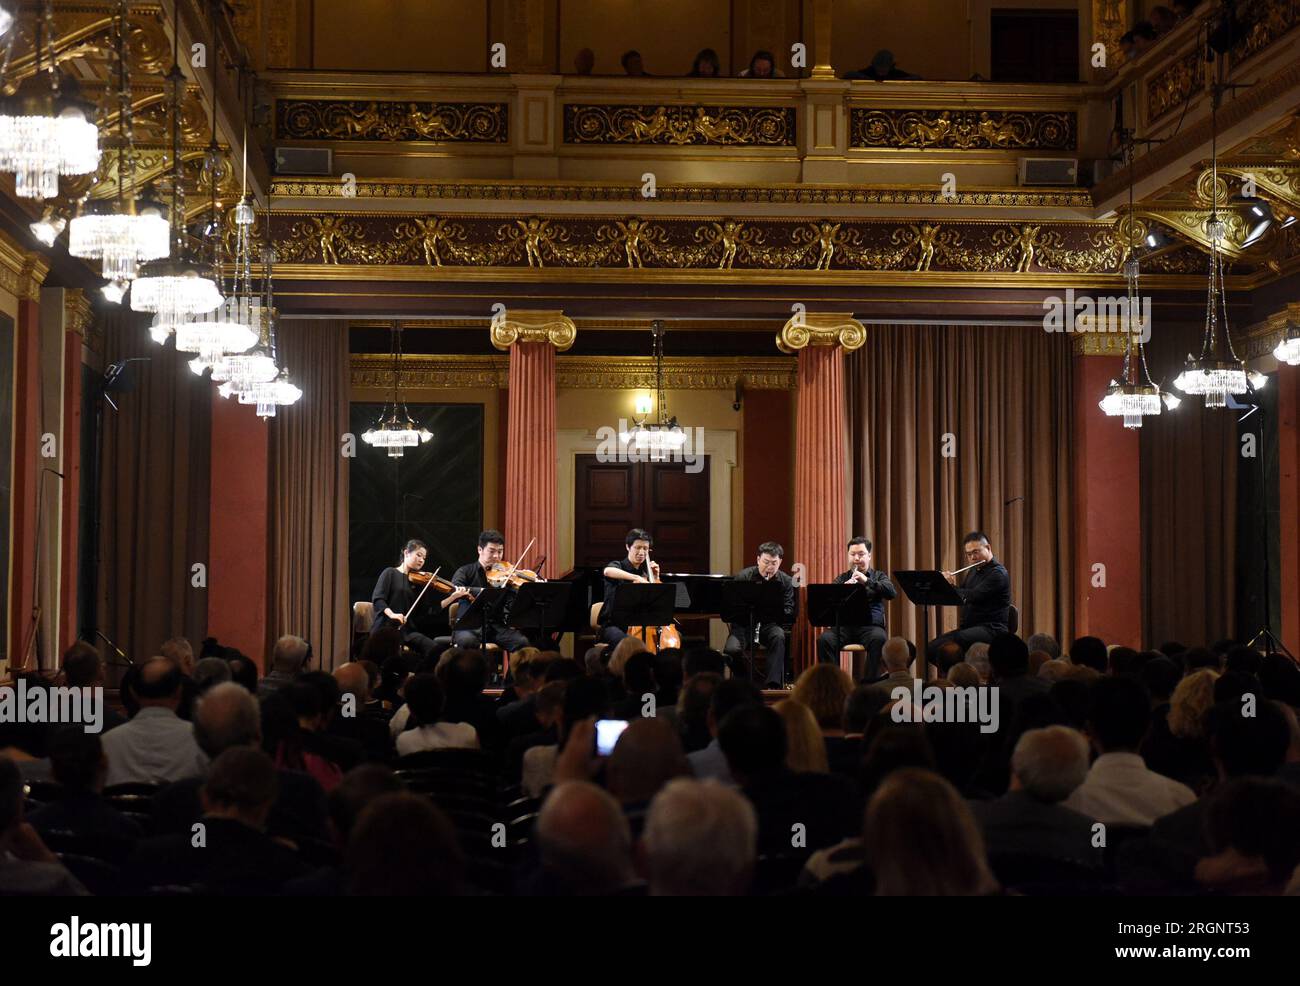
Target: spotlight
{"x": 1258, "y": 381}
{"x": 48, "y": 227}
{"x": 1155, "y": 239}
{"x": 1257, "y": 215}
{"x": 1288, "y": 222}
{"x": 6, "y": 18}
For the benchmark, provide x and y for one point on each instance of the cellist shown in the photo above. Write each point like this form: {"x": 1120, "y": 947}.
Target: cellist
{"x": 491, "y": 549}
{"x": 394, "y": 596}
{"x": 636, "y": 567}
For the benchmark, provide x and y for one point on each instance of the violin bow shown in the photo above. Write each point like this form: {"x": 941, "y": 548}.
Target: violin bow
{"x": 422, "y": 592}
{"x": 515, "y": 566}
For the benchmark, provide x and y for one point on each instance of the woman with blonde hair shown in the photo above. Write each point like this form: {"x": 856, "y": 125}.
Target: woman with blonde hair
{"x": 922, "y": 840}
{"x": 805, "y": 748}
{"x": 622, "y": 651}
{"x": 823, "y": 688}
{"x": 1178, "y": 744}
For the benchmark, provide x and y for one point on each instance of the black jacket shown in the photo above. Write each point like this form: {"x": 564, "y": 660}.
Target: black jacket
{"x": 986, "y": 597}
{"x": 234, "y": 860}
{"x": 750, "y": 574}
{"x": 878, "y": 589}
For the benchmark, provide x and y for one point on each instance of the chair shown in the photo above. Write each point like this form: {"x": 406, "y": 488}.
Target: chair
{"x": 1036, "y": 875}
{"x": 132, "y": 788}
{"x": 475, "y": 761}
{"x": 100, "y": 877}
{"x": 853, "y": 660}
{"x": 1013, "y": 619}
{"x": 44, "y": 791}
{"x": 775, "y": 874}
{"x": 363, "y": 618}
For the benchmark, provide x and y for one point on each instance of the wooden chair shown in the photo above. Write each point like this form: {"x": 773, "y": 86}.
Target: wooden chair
{"x": 853, "y": 660}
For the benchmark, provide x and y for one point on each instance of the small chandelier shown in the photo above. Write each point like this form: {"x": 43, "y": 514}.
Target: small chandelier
{"x": 665, "y": 435}
{"x": 175, "y": 289}
{"x": 1218, "y": 372}
{"x": 396, "y": 429}
{"x": 1135, "y": 395}
{"x": 46, "y": 129}
{"x": 122, "y": 233}
{"x": 1288, "y": 350}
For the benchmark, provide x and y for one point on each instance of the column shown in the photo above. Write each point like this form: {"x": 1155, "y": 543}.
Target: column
{"x": 1107, "y": 501}
{"x": 28, "y": 468}
{"x": 532, "y": 339}
{"x": 239, "y": 529}
{"x": 820, "y": 498}
{"x": 1288, "y": 476}
{"x": 78, "y": 318}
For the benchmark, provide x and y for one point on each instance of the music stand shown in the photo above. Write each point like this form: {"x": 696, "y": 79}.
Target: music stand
{"x": 839, "y": 604}
{"x": 540, "y": 605}
{"x": 753, "y": 603}
{"x": 643, "y": 604}
{"x": 488, "y": 603}
{"x": 926, "y": 589}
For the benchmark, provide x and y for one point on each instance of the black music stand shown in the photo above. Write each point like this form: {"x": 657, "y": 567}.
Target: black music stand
{"x": 839, "y": 604}
{"x": 751, "y": 604}
{"x": 539, "y": 606}
{"x": 488, "y": 604}
{"x": 643, "y": 604}
{"x": 926, "y": 589}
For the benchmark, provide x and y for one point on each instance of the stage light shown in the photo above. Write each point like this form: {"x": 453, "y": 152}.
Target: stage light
{"x": 1257, "y": 216}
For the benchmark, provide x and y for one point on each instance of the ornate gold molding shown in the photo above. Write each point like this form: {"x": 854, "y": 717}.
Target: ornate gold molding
{"x": 1262, "y": 337}
{"x": 516, "y": 325}
{"x": 429, "y": 372}
{"x": 442, "y": 122}
{"x": 1098, "y": 343}
{"x": 678, "y": 126}
{"x": 959, "y": 129}
{"x": 821, "y": 329}
{"x": 78, "y": 313}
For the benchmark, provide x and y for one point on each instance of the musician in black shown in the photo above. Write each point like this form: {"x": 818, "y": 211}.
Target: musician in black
{"x": 985, "y": 595}
{"x": 395, "y": 594}
{"x": 471, "y": 578}
{"x": 636, "y": 567}
{"x": 878, "y": 587}
{"x": 770, "y": 635}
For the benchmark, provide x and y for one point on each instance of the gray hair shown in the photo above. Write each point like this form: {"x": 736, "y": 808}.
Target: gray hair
{"x": 289, "y": 654}
{"x": 896, "y": 654}
{"x": 1051, "y": 762}
{"x": 583, "y": 835}
{"x": 977, "y": 656}
{"x": 211, "y": 671}
{"x": 1046, "y": 643}
{"x": 1055, "y": 669}
{"x": 700, "y": 839}
{"x": 226, "y": 716}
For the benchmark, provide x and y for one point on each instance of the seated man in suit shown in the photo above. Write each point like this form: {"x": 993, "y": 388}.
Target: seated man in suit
{"x": 879, "y": 589}
{"x": 985, "y": 596}
{"x": 770, "y": 635}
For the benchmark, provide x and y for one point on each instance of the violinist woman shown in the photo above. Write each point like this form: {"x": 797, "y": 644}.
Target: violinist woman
{"x": 395, "y": 593}
{"x": 491, "y": 550}
{"x": 636, "y": 567}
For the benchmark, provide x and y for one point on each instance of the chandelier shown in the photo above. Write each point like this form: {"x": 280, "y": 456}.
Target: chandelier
{"x": 665, "y": 435}
{"x": 121, "y": 233}
{"x": 1218, "y": 372}
{"x": 46, "y": 129}
{"x": 1288, "y": 350}
{"x": 174, "y": 289}
{"x": 396, "y": 429}
{"x": 1134, "y": 395}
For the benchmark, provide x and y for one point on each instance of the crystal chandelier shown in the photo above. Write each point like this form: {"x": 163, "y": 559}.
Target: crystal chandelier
{"x": 1288, "y": 350}
{"x": 1134, "y": 395}
{"x": 396, "y": 429}
{"x": 46, "y": 129}
{"x": 665, "y": 436}
{"x": 121, "y": 233}
{"x": 174, "y": 289}
{"x": 1218, "y": 372}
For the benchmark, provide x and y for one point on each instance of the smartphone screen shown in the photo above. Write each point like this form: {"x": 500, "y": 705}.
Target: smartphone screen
{"x": 607, "y": 733}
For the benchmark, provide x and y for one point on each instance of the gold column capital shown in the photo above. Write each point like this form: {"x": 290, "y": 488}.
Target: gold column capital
{"x": 78, "y": 313}
{"x": 517, "y": 325}
{"x": 821, "y": 329}
{"x": 1099, "y": 343}
{"x": 1262, "y": 337}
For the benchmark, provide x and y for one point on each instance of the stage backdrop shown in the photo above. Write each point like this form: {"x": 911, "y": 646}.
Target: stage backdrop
{"x": 309, "y": 493}
{"x": 947, "y": 423}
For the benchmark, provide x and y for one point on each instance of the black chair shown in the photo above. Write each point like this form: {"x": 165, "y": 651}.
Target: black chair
{"x": 44, "y": 792}
{"x": 132, "y": 788}
{"x": 101, "y": 878}
{"x": 1013, "y": 619}
{"x": 1036, "y": 875}
{"x": 469, "y": 761}
{"x": 777, "y": 873}
{"x": 107, "y": 848}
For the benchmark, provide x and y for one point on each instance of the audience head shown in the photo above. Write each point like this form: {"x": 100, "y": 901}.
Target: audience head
{"x": 77, "y": 759}
{"x": 1124, "y": 660}
{"x": 1161, "y": 676}
{"x": 243, "y": 672}
{"x": 1189, "y": 707}
{"x": 893, "y": 746}
{"x": 353, "y": 679}
{"x": 583, "y": 839}
{"x": 623, "y": 652}
{"x": 1054, "y": 670}
{"x": 805, "y": 747}
{"x": 242, "y": 784}
{"x": 357, "y": 789}
{"x": 977, "y": 656}
{"x": 1251, "y": 825}
{"x": 1196, "y": 658}
{"x": 562, "y": 669}
{"x": 583, "y": 699}
{"x": 894, "y": 654}
{"x": 1090, "y": 652}
{"x": 1249, "y": 745}
{"x": 639, "y": 674}
{"x": 1119, "y": 714}
{"x": 949, "y": 654}
{"x": 631, "y": 62}
{"x": 82, "y": 666}
{"x": 753, "y": 741}
{"x": 402, "y": 845}
{"x": 1008, "y": 656}
{"x": 289, "y": 654}
{"x": 921, "y": 839}
{"x": 1232, "y": 685}
{"x": 823, "y": 689}
{"x": 425, "y": 697}
{"x": 668, "y": 675}
{"x": 1044, "y": 642}
{"x": 1073, "y": 696}
{"x": 225, "y": 717}
{"x": 159, "y": 684}
{"x": 729, "y": 695}
{"x": 762, "y": 65}
{"x": 1244, "y": 659}
{"x": 707, "y": 65}
{"x": 1280, "y": 679}
{"x": 861, "y": 706}
{"x": 1049, "y": 763}
{"x": 210, "y": 671}
{"x": 693, "y": 706}
{"x": 701, "y": 661}
{"x": 700, "y": 840}
{"x": 963, "y": 675}
{"x": 180, "y": 650}
{"x": 646, "y": 757}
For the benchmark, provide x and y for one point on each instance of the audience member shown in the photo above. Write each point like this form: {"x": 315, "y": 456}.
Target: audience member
{"x": 210, "y": 671}
{"x": 584, "y": 844}
{"x": 824, "y": 689}
{"x": 402, "y": 845}
{"x": 78, "y": 764}
{"x": 288, "y": 659}
{"x": 881, "y": 69}
{"x": 84, "y": 668}
{"x": 647, "y": 756}
{"x": 631, "y": 62}
{"x": 1251, "y": 824}
{"x": 27, "y": 867}
{"x": 805, "y": 748}
{"x": 360, "y": 719}
{"x": 1090, "y": 652}
{"x": 700, "y": 840}
{"x": 762, "y": 66}
{"x": 1046, "y": 643}
{"x": 156, "y": 746}
{"x": 426, "y": 701}
{"x": 707, "y": 65}
{"x": 584, "y": 62}
{"x": 709, "y": 763}
{"x": 1177, "y": 744}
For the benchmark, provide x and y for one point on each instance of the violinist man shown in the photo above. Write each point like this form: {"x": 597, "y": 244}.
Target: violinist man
{"x": 878, "y": 588}
{"x": 395, "y": 594}
{"x": 770, "y": 635}
{"x": 636, "y": 567}
{"x": 470, "y": 578}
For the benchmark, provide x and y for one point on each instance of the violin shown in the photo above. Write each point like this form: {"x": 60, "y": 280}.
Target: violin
{"x": 445, "y": 586}
{"x": 656, "y": 638}
{"x": 501, "y": 575}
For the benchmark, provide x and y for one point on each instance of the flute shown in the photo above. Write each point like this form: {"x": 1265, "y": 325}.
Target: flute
{"x": 966, "y": 569}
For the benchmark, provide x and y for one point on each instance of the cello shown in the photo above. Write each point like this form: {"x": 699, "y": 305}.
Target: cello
{"x": 656, "y": 638}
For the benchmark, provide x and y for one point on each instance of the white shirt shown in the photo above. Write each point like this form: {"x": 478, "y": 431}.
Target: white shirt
{"x": 156, "y": 747}
{"x": 1120, "y": 790}
{"x": 439, "y": 736}
{"x": 539, "y": 768}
